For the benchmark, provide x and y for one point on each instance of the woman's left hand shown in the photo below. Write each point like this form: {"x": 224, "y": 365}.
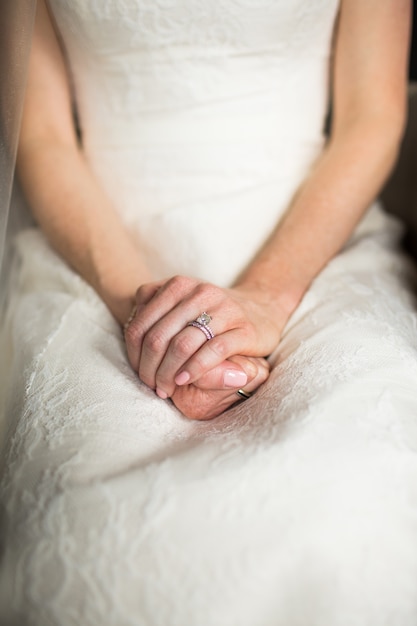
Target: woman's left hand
{"x": 167, "y": 353}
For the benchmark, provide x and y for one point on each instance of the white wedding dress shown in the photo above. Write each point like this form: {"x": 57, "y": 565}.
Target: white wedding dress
{"x": 297, "y": 507}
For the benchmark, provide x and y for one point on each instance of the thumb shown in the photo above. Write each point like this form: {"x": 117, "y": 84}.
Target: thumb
{"x": 234, "y": 373}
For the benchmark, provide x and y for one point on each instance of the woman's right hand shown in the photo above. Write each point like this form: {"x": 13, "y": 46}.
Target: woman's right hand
{"x": 208, "y": 397}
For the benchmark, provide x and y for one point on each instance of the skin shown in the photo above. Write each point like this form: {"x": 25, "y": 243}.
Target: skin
{"x": 369, "y": 109}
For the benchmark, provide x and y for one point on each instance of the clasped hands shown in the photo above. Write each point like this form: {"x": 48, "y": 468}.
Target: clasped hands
{"x": 178, "y": 361}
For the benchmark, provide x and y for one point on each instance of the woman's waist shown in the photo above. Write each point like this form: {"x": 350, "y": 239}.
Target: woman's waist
{"x": 154, "y": 178}
{"x": 179, "y": 127}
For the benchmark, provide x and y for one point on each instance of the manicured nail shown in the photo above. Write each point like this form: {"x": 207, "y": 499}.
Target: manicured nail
{"x": 234, "y": 378}
{"x": 161, "y": 394}
{"x": 182, "y": 378}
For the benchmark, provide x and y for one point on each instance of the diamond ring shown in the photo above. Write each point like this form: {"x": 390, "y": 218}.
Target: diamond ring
{"x": 202, "y": 323}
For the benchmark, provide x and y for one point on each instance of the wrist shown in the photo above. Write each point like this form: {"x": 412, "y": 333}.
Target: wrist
{"x": 119, "y": 292}
{"x": 117, "y": 287}
{"x": 121, "y": 309}
{"x": 277, "y": 294}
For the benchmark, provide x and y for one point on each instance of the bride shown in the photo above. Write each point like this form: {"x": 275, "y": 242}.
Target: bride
{"x": 204, "y": 251}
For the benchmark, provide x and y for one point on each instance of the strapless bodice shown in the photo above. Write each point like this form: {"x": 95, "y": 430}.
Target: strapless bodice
{"x": 200, "y": 118}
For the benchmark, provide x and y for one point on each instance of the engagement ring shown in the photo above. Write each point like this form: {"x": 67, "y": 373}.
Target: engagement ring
{"x": 202, "y": 323}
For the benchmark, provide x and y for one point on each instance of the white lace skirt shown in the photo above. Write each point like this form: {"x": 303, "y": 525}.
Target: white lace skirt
{"x": 296, "y": 507}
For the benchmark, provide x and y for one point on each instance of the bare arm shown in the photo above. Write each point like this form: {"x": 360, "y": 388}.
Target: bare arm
{"x": 369, "y": 103}
{"x": 369, "y": 96}
{"x": 80, "y": 221}
{"x": 64, "y": 196}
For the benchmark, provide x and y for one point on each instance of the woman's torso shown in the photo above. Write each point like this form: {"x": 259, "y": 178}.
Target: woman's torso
{"x": 200, "y": 118}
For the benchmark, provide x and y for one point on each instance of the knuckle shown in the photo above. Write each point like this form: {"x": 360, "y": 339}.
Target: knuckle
{"x": 248, "y": 335}
{"x": 252, "y": 369}
{"x": 131, "y": 334}
{"x": 154, "y": 342}
{"x": 182, "y": 345}
{"x": 180, "y": 284}
{"x": 176, "y": 280}
{"x": 219, "y": 347}
{"x": 137, "y": 328}
{"x": 206, "y": 292}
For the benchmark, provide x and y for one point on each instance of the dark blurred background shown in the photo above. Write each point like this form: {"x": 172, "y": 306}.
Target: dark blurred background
{"x": 399, "y": 195}
{"x": 413, "y": 56}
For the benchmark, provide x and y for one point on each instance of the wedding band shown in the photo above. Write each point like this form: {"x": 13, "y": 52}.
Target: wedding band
{"x": 202, "y": 323}
{"x": 243, "y": 394}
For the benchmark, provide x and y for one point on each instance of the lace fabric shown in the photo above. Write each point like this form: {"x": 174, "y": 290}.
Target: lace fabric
{"x": 295, "y": 507}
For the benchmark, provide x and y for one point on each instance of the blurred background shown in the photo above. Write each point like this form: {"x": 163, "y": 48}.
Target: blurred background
{"x": 413, "y": 56}
{"x": 400, "y": 193}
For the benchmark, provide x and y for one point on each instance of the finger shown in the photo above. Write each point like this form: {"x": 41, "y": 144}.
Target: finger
{"x": 162, "y": 354}
{"x": 214, "y": 352}
{"x": 170, "y": 343}
{"x": 226, "y": 376}
{"x": 143, "y": 294}
{"x": 233, "y": 373}
{"x": 181, "y": 347}
{"x": 147, "y": 291}
{"x": 262, "y": 373}
{"x": 203, "y": 404}
{"x": 164, "y": 298}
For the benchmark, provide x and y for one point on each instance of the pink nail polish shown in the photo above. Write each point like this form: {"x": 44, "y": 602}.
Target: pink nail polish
{"x": 161, "y": 394}
{"x": 182, "y": 378}
{"x": 234, "y": 378}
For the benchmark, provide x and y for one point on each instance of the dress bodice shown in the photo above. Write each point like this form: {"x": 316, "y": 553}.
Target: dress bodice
{"x": 184, "y": 103}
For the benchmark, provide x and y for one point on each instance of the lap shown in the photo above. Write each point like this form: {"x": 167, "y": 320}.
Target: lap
{"x": 307, "y": 489}
{"x": 350, "y": 347}
{"x": 353, "y": 337}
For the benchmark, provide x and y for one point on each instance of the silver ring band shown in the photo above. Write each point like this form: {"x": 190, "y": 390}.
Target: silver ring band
{"x": 243, "y": 394}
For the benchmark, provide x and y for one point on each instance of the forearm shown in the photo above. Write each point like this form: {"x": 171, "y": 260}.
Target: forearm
{"x": 80, "y": 222}
{"x": 324, "y": 212}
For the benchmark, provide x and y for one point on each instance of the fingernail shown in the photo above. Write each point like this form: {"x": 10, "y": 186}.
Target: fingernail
{"x": 161, "y": 394}
{"x": 182, "y": 378}
{"x": 234, "y": 378}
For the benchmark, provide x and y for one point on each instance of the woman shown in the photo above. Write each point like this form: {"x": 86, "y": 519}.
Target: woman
{"x": 200, "y": 224}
